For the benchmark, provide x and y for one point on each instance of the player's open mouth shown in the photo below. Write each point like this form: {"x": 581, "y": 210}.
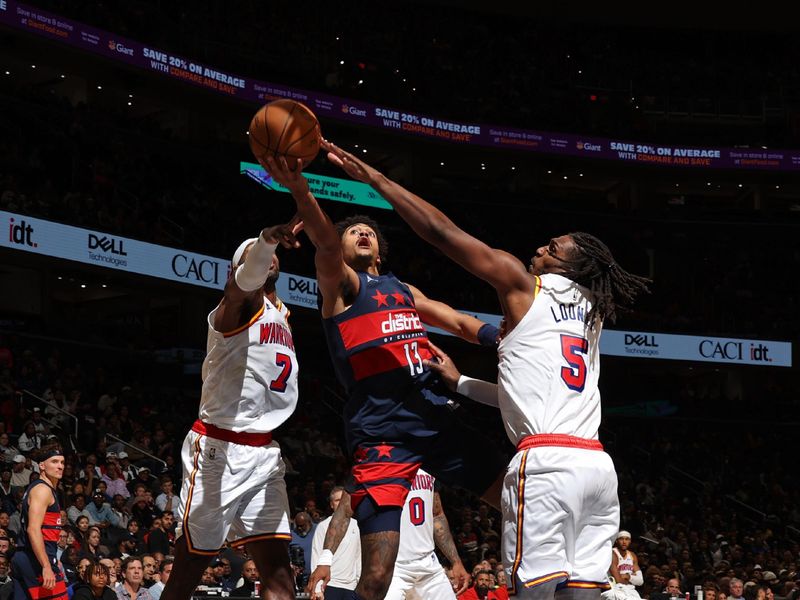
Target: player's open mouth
{"x": 364, "y": 243}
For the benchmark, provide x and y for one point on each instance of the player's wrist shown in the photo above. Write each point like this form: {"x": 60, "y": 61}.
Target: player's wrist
{"x": 488, "y": 334}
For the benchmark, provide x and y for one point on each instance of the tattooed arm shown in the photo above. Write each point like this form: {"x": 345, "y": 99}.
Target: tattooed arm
{"x": 340, "y": 522}
{"x": 447, "y": 545}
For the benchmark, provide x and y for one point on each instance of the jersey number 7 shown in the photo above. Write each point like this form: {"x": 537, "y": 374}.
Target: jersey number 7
{"x": 573, "y": 349}
{"x": 284, "y": 361}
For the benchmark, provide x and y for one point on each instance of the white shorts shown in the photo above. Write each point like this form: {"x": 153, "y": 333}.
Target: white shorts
{"x": 231, "y": 492}
{"x": 621, "y": 591}
{"x": 560, "y": 515}
{"x": 427, "y": 578}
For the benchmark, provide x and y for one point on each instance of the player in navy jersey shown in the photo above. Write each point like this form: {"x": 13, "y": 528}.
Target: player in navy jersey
{"x": 397, "y": 417}
{"x": 37, "y": 574}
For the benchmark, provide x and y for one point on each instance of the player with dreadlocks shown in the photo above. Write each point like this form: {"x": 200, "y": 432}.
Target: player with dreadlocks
{"x": 559, "y": 499}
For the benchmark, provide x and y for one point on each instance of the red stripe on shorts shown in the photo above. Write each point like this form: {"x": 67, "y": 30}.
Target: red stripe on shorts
{"x": 237, "y": 437}
{"x": 557, "y": 439}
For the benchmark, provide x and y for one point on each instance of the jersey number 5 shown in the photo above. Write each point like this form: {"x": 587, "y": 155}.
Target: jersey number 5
{"x": 573, "y": 349}
{"x": 284, "y": 361}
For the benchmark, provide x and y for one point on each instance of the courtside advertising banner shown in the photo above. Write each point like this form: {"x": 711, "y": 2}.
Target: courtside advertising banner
{"x": 56, "y": 240}
{"x": 111, "y": 251}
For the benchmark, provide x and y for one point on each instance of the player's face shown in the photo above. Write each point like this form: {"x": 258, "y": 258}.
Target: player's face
{"x": 53, "y": 467}
{"x": 623, "y": 543}
{"x": 360, "y": 246}
{"x": 550, "y": 257}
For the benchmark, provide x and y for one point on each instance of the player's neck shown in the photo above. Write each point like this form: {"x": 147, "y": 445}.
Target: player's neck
{"x": 271, "y": 294}
{"x": 51, "y": 481}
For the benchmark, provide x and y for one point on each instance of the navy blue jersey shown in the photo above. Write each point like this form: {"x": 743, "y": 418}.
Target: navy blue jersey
{"x": 51, "y": 524}
{"x": 378, "y": 346}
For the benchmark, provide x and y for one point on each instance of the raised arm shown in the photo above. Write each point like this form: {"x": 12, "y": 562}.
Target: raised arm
{"x": 443, "y": 538}
{"x": 439, "y": 314}
{"x": 243, "y": 292}
{"x": 334, "y": 277}
{"x": 502, "y": 270}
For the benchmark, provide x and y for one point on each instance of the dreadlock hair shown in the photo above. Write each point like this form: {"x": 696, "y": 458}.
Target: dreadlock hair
{"x": 383, "y": 245}
{"x": 592, "y": 265}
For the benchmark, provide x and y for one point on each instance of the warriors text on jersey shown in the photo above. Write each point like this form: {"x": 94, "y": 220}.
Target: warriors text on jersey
{"x": 250, "y": 374}
{"x": 549, "y": 365}
{"x": 416, "y": 524}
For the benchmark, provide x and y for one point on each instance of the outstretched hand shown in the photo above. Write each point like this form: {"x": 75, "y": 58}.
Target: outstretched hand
{"x": 286, "y": 234}
{"x": 352, "y": 165}
{"x": 444, "y": 366}
{"x": 280, "y": 171}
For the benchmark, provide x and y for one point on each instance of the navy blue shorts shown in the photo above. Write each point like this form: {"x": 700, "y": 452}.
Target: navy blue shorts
{"x": 457, "y": 455}
{"x": 27, "y": 575}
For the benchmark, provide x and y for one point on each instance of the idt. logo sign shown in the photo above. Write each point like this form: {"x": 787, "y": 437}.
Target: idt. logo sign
{"x": 21, "y": 233}
{"x": 187, "y": 267}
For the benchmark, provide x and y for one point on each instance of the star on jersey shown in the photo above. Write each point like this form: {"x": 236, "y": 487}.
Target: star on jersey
{"x": 381, "y": 298}
{"x": 398, "y": 298}
{"x": 384, "y": 450}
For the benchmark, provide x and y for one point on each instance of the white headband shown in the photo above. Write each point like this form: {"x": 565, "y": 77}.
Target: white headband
{"x": 237, "y": 256}
{"x": 623, "y": 534}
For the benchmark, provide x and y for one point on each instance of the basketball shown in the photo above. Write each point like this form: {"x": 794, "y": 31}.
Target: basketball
{"x": 285, "y": 128}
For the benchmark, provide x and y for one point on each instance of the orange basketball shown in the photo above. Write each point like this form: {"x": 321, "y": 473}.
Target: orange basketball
{"x": 285, "y": 128}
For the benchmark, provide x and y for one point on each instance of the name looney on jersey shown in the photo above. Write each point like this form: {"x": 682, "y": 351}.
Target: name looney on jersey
{"x": 275, "y": 333}
{"x": 422, "y": 481}
{"x": 401, "y": 321}
{"x": 569, "y": 312}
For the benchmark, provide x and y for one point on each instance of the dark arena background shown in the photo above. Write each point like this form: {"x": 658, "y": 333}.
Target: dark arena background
{"x": 126, "y": 183}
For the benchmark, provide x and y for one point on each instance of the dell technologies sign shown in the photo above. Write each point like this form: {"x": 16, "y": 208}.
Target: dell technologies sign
{"x": 696, "y": 348}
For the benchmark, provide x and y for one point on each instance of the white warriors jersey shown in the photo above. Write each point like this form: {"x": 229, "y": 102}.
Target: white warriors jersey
{"x": 624, "y": 565}
{"x": 416, "y": 524}
{"x": 549, "y": 365}
{"x": 250, "y": 374}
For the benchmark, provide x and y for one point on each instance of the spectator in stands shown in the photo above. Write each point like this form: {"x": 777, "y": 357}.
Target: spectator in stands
{"x": 120, "y": 508}
{"x": 7, "y": 451}
{"x": 150, "y": 569}
{"x": 136, "y": 530}
{"x": 166, "y": 500}
{"x": 21, "y": 475}
{"x": 143, "y": 477}
{"x": 250, "y": 576}
{"x": 128, "y": 470}
{"x": 302, "y": 536}
{"x": 81, "y": 530}
{"x": 80, "y": 571}
{"x": 100, "y": 513}
{"x": 92, "y": 546}
{"x": 5, "y": 545}
{"x": 6, "y": 491}
{"x": 736, "y": 588}
{"x": 164, "y": 571}
{"x": 77, "y": 508}
{"x": 95, "y": 584}
{"x": 5, "y": 525}
{"x": 144, "y": 510}
{"x": 40, "y": 427}
{"x": 115, "y": 482}
{"x": 126, "y": 546}
{"x": 672, "y": 590}
{"x": 63, "y": 542}
{"x": 481, "y": 589}
{"x": 132, "y": 576}
{"x": 159, "y": 539}
{"x": 5, "y": 574}
{"x": 207, "y": 580}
